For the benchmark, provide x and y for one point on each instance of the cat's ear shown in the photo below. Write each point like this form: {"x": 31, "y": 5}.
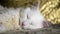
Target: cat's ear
{"x": 35, "y": 4}
{"x": 47, "y": 24}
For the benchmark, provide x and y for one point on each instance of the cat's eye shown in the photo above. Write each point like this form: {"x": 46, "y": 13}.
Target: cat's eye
{"x": 28, "y": 17}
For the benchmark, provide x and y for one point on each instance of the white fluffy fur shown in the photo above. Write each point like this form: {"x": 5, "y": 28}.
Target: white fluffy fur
{"x": 9, "y": 19}
{"x": 35, "y": 18}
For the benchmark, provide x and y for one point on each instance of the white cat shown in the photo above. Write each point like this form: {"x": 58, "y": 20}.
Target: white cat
{"x": 31, "y": 18}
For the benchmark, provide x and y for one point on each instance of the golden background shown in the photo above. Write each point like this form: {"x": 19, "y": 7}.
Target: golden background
{"x": 51, "y": 10}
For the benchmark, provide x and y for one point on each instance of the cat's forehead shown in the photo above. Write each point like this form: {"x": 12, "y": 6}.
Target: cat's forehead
{"x": 18, "y": 3}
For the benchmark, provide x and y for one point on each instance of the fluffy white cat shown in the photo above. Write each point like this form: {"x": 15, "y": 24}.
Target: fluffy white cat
{"x": 31, "y": 18}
